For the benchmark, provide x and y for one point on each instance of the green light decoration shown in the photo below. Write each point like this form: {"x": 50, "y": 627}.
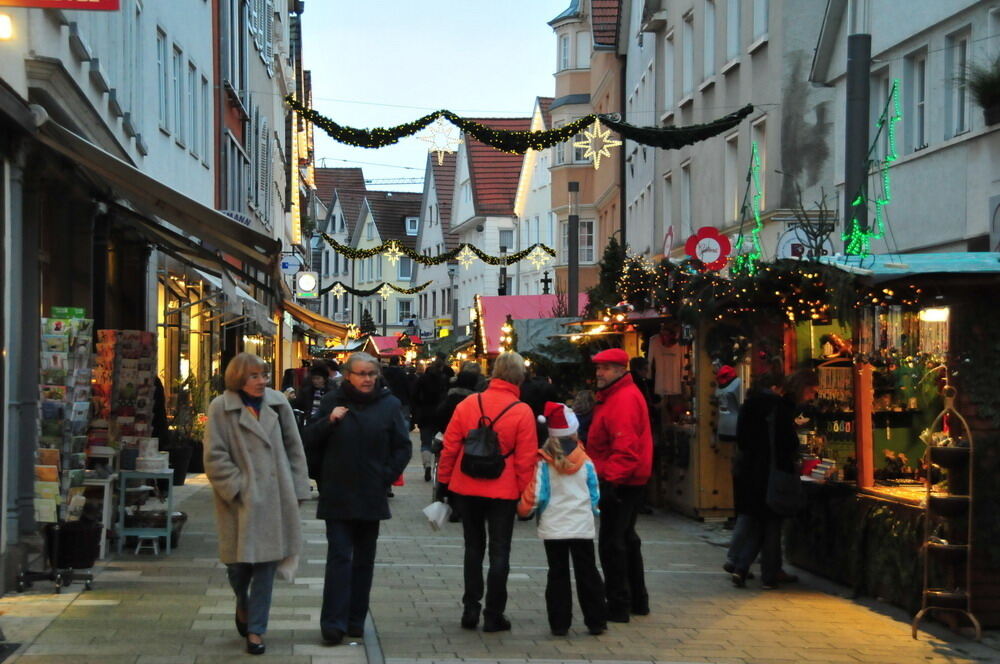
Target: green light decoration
{"x": 338, "y": 288}
{"x": 746, "y": 263}
{"x": 393, "y": 251}
{"x": 858, "y": 241}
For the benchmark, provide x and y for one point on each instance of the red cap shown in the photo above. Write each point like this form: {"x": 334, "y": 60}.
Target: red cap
{"x": 725, "y": 375}
{"x": 611, "y": 356}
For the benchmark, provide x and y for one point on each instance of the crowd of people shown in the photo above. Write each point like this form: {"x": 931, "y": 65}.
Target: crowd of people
{"x": 505, "y": 447}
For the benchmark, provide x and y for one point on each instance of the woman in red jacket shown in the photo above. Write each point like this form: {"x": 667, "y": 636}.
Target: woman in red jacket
{"x": 488, "y": 506}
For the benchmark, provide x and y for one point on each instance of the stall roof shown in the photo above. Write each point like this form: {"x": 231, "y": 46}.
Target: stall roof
{"x": 386, "y": 346}
{"x": 494, "y": 310}
{"x": 886, "y": 267}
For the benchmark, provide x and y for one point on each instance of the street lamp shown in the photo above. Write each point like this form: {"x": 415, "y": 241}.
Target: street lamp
{"x": 502, "y": 286}
{"x": 453, "y": 297}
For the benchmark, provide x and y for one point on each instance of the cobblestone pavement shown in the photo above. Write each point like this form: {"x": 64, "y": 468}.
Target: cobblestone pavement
{"x": 148, "y": 609}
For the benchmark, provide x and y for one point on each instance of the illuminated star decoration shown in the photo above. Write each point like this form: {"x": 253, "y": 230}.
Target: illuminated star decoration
{"x": 441, "y": 136}
{"x": 393, "y": 252}
{"x": 338, "y": 289}
{"x": 538, "y": 257}
{"x": 385, "y": 291}
{"x": 466, "y": 257}
{"x": 602, "y": 136}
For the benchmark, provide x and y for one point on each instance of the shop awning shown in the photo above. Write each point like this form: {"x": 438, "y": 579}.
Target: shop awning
{"x": 321, "y": 324}
{"x": 886, "y": 267}
{"x": 155, "y": 198}
{"x": 494, "y": 310}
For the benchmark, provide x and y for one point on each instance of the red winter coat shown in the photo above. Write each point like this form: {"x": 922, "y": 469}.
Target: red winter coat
{"x": 516, "y": 431}
{"x": 619, "y": 440}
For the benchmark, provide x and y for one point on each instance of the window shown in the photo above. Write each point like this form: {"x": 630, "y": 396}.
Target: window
{"x": 235, "y": 66}
{"x": 758, "y": 134}
{"x": 582, "y": 53}
{"x": 560, "y": 157}
{"x": 687, "y": 63}
{"x": 731, "y": 185}
{"x": 177, "y": 90}
{"x": 404, "y": 309}
{"x": 467, "y": 191}
{"x": 880, "y": 89}
{"x": 668, "y": 72}
{"x": 563, "y": 52}
{"x": 668, "y": 205}
{"x": 586, "y": 242}
{"x": 732, "y": 29}
{"x": 378, "y": 267}
{"x": 237, "y": 170}
{"x": 434, "y": 303}
{"x": 578, "y": 152}
{"x": 956, "y": 62}
{"x": 915, "y": 73}
{"x": 686, "y": 221}
{"x": 506, "y": 240}
{"x": 369, "y": 231}
{"x": 163, "y": 80}
{"x": 207, "y": 119}
{"x": 412, "y": 224}
{"x": 405, "y": 270}
{"x": 708, "y": 46}
{"x": 197, "y": 119}
{"x": 760, "y": 18}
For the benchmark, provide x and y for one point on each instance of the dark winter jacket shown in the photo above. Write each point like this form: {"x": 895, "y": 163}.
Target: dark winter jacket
{"x": 465, "y": 384}
{"x": 427, "y": 395}
{"x": 753, "y": 460}
{"x": 356, "y": 459}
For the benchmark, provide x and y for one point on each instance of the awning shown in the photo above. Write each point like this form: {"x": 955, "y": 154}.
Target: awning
{"x": 257, "y": 312}
{"x": 887, "y": 267}
{"x": 155, "y": 198}
{"x": 321, "y": 324}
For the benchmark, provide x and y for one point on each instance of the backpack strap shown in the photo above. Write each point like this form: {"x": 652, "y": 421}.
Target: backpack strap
{"x": 493, "y": 420}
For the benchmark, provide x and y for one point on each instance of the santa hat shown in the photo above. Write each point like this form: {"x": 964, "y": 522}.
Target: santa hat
{"x": 725, "y": 375}
{"x": 560, "y": 419}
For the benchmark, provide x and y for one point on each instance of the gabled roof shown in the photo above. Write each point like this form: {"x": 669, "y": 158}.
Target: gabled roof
{"x": 390, "y": 210}
{"x": 829, "y": 31}
{"x": 345, "y": 184}
{"x": 573, "y": 11}
{"x": 605, "y": 18}
{"x": 444, "y": 184}
{"x": 494, "y": 174}
{"x": 545, "y": 106}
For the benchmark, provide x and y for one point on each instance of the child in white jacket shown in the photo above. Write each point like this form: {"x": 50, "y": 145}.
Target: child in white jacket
{"x": 564, "y": 493}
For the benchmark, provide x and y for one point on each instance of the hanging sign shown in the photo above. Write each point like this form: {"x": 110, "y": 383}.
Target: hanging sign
{"x": 101, "y": 5}
{"x": 795, "y": 243}
{"x": 710, "y": 247}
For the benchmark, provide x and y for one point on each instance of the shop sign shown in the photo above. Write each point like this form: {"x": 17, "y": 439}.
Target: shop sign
{"x": 795, "y": 243}
{"x": 710, "y": 247}
{"x": 290, "y": 265}
{"x": 442, "y": 322}
{"x": 101, "y": 5}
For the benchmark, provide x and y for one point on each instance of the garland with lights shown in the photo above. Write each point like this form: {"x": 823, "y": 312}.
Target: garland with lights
{"x": 519, "y": 142}
{"x": 465, "y": 253}
{"x": 338, "y": 288}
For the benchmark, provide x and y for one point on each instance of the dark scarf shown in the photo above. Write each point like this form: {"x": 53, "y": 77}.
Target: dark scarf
{"x": 354, "y": 395}
{"x": 253, "y": 403}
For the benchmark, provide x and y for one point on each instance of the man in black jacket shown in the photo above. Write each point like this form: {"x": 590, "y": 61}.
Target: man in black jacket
{"x": 359, "y": 444}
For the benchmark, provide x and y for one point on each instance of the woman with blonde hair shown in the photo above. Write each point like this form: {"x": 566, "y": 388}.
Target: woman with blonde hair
{"x": 257, "y": 467}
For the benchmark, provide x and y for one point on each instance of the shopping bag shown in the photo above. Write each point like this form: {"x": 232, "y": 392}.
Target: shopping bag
{"x": 437, "y": 514}
{"x": 400, "y": 481}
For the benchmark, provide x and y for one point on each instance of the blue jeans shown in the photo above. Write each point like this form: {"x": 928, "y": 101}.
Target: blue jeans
{"x": 252, "y": 583}
{"x": 754, "y": 535}
{"x": 481, "y": 517}
{"x": 350, "y": 566}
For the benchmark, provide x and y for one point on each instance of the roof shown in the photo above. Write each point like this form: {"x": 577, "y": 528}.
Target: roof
{"x": 321, "y": 324}
{"x": 570, "y": 100}
{"x": 887, "y": 267}
{"x": 444, "y": 184}
{"x": 389, "y": 346}
{"x": 494, "y": 309}
{"x": 573, "y": 11}
{"x": 495, "y": 174}
{"x": 604, "y": 22}
{"x": 826, "y": 43}
{"x": 390, "y": 210}
{"x": 344, "y": 184}
{"x": 545, "y": 106}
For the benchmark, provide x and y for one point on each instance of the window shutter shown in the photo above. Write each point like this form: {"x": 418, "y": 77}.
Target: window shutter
{"x": 269, "y": 37}
{"x": 263, "y": 167}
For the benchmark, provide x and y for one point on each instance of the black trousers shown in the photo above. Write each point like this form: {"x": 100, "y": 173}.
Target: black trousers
{"x": 589, "y": 585}
{"x": 350, "y": 567}
{"x": 483, "y": 518}
{"x": 621, "y": 551}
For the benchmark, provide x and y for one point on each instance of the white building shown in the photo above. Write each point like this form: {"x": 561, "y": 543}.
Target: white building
{"x": 342, "y": 190}
{"x": 533, "y": 207}
{"x": 435, "y": 238}
{"x": 946, "y": 181}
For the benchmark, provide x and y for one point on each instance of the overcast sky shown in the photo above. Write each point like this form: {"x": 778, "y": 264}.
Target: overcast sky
{"x": 385, "y": 62}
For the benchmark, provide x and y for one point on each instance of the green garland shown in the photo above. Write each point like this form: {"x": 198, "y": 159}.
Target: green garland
{"x": 519, "y": 142}
{"x": 362, "y": 292}
{"x": 394, "y": 246}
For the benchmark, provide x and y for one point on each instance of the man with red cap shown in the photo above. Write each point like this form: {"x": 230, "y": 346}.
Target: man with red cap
{"x": 621, "y": 445}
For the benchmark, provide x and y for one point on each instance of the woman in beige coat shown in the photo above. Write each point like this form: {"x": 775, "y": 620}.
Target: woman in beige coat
{"x": 255, "y": 462}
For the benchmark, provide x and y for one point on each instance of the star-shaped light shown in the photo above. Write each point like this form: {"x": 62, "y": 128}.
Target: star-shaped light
{"x": 385, "y": 291}
{"x": 600, "y": 135}
{"x": 538, "y": 257}
{"x": 393, "y": 252}
{"x": 466, "y": 257}
{"x": 440, "y": 134}
{"x": 338, "y": 289}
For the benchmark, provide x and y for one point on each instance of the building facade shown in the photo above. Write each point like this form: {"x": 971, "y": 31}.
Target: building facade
{"x": 435, "y": 304}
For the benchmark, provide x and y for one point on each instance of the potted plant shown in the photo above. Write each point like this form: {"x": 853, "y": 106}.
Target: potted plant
{"x": 983, "y": 81}
{"x": 187, "y": 427}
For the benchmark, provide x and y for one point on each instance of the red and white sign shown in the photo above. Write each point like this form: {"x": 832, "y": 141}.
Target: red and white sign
{"x": 710, "y": 247}
{"x": 668, "y": 241}
{"x": 100, "y": 5}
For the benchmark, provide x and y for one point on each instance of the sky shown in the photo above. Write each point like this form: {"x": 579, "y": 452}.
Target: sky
{"x": 381, "y": 63}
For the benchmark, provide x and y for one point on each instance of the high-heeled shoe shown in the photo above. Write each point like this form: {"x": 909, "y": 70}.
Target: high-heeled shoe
{"x": 255, "y": 648}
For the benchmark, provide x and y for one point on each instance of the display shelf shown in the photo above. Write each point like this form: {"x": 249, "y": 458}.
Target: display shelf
{"x": 123, "y": 532}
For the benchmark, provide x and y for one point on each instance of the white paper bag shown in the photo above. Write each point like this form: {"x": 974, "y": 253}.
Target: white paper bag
{"x": 437, "y": 514}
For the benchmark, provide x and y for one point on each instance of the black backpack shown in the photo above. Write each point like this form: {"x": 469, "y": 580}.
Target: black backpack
{"x": 482, "y": 458}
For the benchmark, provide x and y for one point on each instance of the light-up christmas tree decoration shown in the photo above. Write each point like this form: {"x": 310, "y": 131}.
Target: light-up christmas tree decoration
{"x": 598, "y": 136}
{"x": 442, "y": 138}
{"x": 747, "y": 262}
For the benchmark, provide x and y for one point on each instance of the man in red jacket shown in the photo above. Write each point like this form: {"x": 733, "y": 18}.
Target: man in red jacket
{"x": 621, "y": 446}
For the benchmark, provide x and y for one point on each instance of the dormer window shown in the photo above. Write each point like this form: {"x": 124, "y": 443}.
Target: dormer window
{"x": 412, "y": 224}
{"x": 370, "y": 231}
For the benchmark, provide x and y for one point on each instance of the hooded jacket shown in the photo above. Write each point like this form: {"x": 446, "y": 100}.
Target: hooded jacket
{"x": 619, "y": 440}
{"x": 564, "y": 493}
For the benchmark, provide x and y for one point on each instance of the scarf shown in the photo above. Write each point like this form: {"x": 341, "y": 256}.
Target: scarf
{"x": 354, "y": 395}
{"x": 253, "y": 403}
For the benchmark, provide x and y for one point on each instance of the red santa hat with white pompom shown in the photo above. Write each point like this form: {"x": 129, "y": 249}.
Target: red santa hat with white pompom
{"x": 560, "y": 419}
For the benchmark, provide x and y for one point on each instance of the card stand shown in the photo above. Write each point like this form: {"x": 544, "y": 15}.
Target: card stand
{"x": 951, "y": 559}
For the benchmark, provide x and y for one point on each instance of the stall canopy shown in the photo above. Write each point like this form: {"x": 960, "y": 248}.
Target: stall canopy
{"x": 321, "y": 324}
{"x": 494, "y": 310}
{"x": 389, "y": 346}
{"x": 887, "y": 267}
{"x": 156, "y": 199}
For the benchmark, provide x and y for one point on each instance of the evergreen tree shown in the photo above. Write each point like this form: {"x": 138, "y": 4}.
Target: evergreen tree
{"x": 605, "y": 293}
{"x": 367, "y": 324}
